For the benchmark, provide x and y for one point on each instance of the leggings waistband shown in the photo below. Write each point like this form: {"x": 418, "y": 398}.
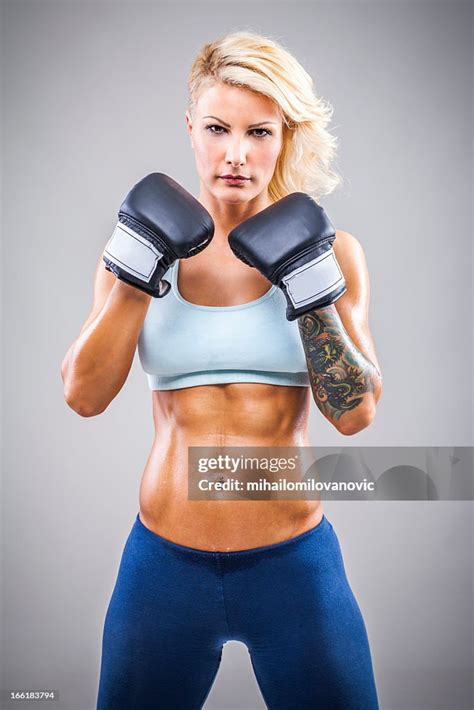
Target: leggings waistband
{"x": 317, "y": 531}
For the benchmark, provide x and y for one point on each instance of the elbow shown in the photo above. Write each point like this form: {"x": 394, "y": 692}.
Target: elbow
{"x": 74, "y": 395}
{"x": 84, "y": 409}
{"x": 84, "y": 412}
{"x": 362, "y": 416}
{"x": 352, "y": 423}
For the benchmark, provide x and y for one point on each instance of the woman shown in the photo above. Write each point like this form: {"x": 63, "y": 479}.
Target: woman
{"x": 227, "y": 368}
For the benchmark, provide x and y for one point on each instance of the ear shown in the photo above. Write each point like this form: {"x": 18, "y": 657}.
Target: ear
{"x": 189, "y": 126}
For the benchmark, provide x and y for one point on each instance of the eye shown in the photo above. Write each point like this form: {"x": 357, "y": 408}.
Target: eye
{"x": 211, "y": 128}
{"x": 220, "y": 130}
{"x": 266, "y": 132}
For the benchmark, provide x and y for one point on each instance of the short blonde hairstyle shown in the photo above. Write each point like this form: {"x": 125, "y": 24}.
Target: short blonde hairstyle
{"x": 249, "y": 60}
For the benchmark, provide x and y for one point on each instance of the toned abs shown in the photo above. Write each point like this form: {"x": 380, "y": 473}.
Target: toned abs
{"x": 236, "y": 414}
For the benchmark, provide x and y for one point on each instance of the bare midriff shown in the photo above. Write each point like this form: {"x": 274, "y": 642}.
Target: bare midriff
{"x": 236, "y": 414}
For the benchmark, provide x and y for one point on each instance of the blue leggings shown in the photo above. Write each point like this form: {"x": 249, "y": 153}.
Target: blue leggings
{"x": 173, "y": 607}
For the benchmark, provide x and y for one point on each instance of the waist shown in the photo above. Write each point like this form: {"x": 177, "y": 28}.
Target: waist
{"x": 216, "y": 524}
{"x": 228, "y": 526}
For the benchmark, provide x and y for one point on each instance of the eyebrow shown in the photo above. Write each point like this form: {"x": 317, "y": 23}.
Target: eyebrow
{"x": 227, "y": 125}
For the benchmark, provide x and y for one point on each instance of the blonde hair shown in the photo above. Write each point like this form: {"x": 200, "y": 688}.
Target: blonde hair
{"x": 249, "y": 60}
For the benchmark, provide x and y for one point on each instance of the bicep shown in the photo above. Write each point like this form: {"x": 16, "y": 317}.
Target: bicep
{"x": 353, "y": 306}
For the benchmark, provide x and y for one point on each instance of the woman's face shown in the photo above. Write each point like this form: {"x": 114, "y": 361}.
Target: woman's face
{"x": 235, "y": 131}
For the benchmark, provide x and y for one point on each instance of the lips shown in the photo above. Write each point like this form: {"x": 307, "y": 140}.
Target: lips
{"x": 234, "y": 179}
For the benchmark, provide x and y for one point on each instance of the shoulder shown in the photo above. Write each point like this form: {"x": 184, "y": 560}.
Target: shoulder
{"x": 349, "y": 252}
{"x": 346, "y": 243}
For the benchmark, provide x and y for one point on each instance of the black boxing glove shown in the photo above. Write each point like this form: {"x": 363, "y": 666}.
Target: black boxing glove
{"x": 159, "y": 222}
{"x": 290, "y": 243}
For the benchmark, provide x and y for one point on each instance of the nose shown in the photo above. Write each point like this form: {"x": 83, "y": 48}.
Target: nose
{"x": 236, "y": 152}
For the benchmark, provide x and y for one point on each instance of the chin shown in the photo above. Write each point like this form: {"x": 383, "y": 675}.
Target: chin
{"x": 234, "y": 195}
{"x": 234, "y": 199}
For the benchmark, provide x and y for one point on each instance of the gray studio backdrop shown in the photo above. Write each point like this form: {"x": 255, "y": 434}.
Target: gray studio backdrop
{"x": 94, "y": 95}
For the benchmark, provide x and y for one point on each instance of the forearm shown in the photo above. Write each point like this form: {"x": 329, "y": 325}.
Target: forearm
{"x": 346, "y": 385}
{"x": 98, "y": 362}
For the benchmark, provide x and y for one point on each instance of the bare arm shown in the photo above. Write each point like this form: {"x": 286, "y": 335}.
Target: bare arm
{"x": 344, "y": 372}
{"x": 97, "y": 364}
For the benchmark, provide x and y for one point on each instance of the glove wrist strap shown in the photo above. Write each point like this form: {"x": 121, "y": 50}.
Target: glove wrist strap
{"x": 132, "y": 253}
{"x": 314, "y": 280}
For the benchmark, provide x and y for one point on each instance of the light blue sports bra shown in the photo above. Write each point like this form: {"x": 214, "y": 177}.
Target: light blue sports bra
{"x": 183, "y": 344}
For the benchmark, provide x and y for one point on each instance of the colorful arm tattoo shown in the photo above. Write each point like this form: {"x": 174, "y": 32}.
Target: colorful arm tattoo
{"x": 339, "y": 373}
